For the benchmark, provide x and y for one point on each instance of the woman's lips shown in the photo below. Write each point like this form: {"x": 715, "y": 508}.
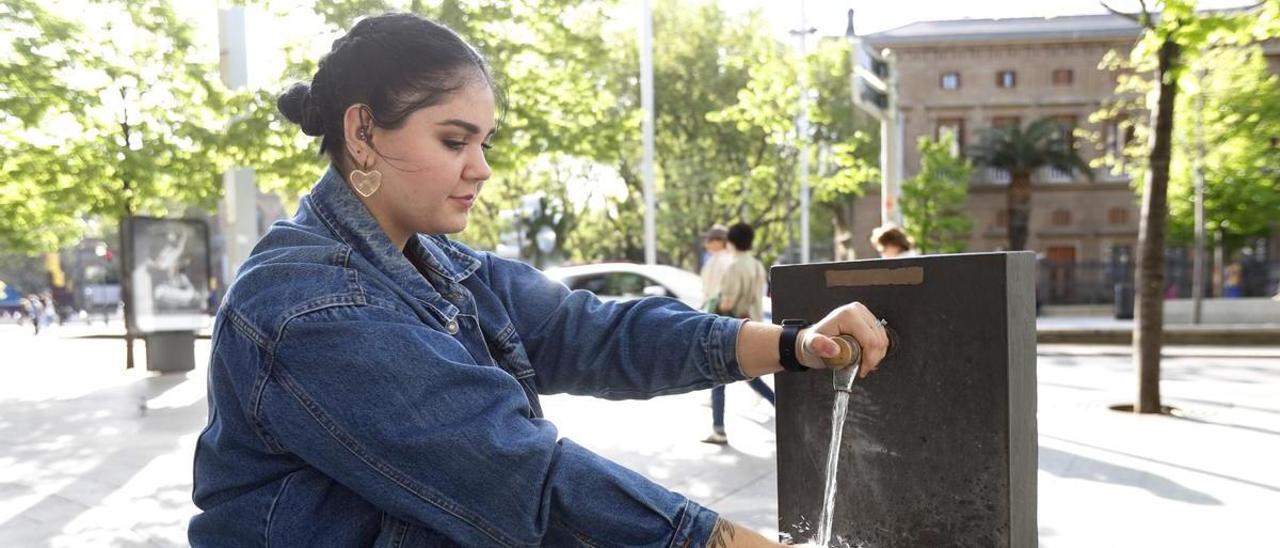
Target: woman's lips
{"x": 466, "y": 200}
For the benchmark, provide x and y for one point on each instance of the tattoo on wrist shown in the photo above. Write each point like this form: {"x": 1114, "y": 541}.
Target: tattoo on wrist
{"x": 722, "y": 534}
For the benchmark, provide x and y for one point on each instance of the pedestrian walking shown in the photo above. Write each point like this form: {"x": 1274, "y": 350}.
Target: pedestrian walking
{"x": 715, "y": 244}
{"x": 35, "y": 309}
{"x": 739, "y": 294}
{"x": 375, "y": 383}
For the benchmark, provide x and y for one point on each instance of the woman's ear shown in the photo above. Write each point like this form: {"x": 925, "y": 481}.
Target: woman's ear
{"x": 357, "y": 132}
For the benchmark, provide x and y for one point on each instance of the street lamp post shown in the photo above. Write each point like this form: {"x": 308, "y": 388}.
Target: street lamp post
{"x": 1197, "y": 273}
{"x": 878, "y": 72}
{"x": 646, "y": 161}
{"x": 802, "y": 130}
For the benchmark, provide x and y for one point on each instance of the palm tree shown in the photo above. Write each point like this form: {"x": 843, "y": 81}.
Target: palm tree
{"x": 1021, "y": 152}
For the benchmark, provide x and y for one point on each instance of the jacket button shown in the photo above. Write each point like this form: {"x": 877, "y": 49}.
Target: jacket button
{"x": 452, "y": 326}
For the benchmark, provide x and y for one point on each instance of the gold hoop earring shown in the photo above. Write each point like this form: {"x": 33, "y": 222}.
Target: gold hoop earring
{"x": 366, "y": 182}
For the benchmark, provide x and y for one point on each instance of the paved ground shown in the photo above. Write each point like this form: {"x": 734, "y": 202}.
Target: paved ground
{"x": 92, "y": 455}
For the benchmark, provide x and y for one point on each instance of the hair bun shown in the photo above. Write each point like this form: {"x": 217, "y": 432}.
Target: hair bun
{"x": 299, "y": 107}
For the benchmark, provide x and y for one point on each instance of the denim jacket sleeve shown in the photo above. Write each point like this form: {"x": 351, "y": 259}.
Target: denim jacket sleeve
{"x": 618, "y": 350}
{"x": 422, "y": 432}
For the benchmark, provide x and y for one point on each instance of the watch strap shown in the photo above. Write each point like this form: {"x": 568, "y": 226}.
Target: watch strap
{"x": 787, "y": 345}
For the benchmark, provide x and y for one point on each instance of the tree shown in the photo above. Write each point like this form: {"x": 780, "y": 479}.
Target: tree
{"x": 104, "y": 128}
{"x": 933, "y": 202}
{"x": 1021, "y": 152}
{"x": 1168, "y": 45}
{"x": 1238, "y": 109}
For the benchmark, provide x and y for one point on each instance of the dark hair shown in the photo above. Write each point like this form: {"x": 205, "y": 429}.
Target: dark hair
{"x": 395, "y": 63}
{"x": 742, "y": 236}
{"x": 891, "y": 235}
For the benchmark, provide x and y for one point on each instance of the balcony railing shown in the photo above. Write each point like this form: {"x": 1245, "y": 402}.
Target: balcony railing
{"x": 1053, "y": 175}
{"x": 991, "y": 175}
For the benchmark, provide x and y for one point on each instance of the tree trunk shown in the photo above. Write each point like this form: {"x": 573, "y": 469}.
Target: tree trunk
{"x": 844, "y": 230}
{"x": 126, "y": 277}
{"x": 1149, "y": 306}
{"x": 1018, "y": 207}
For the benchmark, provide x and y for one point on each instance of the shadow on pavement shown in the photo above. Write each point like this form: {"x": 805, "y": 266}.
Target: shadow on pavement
{"x": 93, "y": 445}
{"x": 1073, "y": 466}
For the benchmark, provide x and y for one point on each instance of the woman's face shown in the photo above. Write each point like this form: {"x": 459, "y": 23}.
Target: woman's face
{"x": 433, "y": 166}
{"x": 888, "y": 251}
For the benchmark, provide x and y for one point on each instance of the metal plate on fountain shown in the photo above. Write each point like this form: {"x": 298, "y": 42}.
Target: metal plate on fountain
{"x": 939, "y": 444}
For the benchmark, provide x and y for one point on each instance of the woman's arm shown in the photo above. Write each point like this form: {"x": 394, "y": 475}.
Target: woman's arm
{"x": 579, "y": 344}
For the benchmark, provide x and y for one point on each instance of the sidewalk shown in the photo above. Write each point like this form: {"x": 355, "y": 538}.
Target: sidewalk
{"x": 92, "y": 455}
{"x": 1107, "y": 330}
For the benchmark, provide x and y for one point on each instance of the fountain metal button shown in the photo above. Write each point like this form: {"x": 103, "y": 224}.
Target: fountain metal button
{"x": 452, "y": 327}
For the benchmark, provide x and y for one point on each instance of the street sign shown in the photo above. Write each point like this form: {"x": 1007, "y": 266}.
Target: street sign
{"x": 870, "y": 75}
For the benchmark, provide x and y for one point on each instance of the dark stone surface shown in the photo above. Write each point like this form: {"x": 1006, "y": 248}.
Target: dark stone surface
{"x": 939, "y": 444}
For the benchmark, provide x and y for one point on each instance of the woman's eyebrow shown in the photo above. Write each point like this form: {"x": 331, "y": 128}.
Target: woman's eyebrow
{"x": 468, "y": 126}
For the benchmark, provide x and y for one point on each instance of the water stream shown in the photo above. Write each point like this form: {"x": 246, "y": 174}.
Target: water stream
{"x": 833, "y": 461}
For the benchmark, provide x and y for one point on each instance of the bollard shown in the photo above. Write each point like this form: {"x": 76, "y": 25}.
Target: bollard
{"x": 939, "y": 445}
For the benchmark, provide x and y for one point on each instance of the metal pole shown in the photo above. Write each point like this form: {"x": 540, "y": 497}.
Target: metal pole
{"x": 1197, "y": 274}
{"x": 239, "y": 192}
{"x": 646, "y": 161}
{"x": 802, "y": 127}
{"x": 891, "y": 155}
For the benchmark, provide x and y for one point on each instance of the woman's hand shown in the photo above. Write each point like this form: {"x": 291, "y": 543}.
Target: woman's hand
{"x": 854, "y": 319}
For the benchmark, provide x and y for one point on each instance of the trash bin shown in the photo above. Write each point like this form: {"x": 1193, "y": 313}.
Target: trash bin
{"x": 1124, "y": 301}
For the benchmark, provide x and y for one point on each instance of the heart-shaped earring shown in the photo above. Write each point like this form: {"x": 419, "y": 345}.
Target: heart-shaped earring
{"x": 365, "y": 182}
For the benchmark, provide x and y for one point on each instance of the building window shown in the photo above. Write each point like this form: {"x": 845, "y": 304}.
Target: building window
{"x": 950, "y": 80}
{"x": 1113, "y": 139}
{"x": 955, "y": 128}
{"x": 1002, "y": 218}
{"x": 1118, "y": 216}
{"x": 1061, "y": 217}
{"x": 1006, "y": 79}
{"x": 1004, "y": 122}
{"x": 1066, "y": 128}
{"x": 1062, "y": 77}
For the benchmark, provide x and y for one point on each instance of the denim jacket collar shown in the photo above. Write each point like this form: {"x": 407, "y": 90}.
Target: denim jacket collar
{"x": 344, "y": 214}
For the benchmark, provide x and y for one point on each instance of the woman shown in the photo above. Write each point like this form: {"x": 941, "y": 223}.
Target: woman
{"x": 891, "y": 242}
{"x": 373, "y": 383}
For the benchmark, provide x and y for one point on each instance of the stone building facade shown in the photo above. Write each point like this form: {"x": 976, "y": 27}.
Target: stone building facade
{"x": 961, "y": 77}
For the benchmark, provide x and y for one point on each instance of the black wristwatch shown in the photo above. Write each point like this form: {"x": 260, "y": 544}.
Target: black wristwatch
{"x": 787, "y": 345}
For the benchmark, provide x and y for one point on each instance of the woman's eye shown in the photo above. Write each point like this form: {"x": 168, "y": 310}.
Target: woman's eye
{"x": 486, "y": 146}
{"x": 455, "y": 145}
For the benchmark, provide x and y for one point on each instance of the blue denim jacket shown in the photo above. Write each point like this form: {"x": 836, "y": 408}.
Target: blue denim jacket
{"x": 361, "y": 396}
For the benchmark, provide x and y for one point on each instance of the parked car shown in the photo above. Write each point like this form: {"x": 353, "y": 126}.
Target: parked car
{"x": 625, "y": 281}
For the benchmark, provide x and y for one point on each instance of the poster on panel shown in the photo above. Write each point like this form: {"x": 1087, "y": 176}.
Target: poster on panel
{"x": 168, "y": 266}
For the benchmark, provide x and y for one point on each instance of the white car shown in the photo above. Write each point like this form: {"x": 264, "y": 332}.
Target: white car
{"x": 625, "y": 281}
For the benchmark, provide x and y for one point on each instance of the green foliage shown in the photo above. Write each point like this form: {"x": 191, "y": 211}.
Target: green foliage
{"x": 1024, "y": 150}
{"x": 1240, "y": 115}
{"x": 1223, "y": 67}
{"x": 106, "y": 112}
{"x": 933, "y": 202}
{"x": 94, "y": 128}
